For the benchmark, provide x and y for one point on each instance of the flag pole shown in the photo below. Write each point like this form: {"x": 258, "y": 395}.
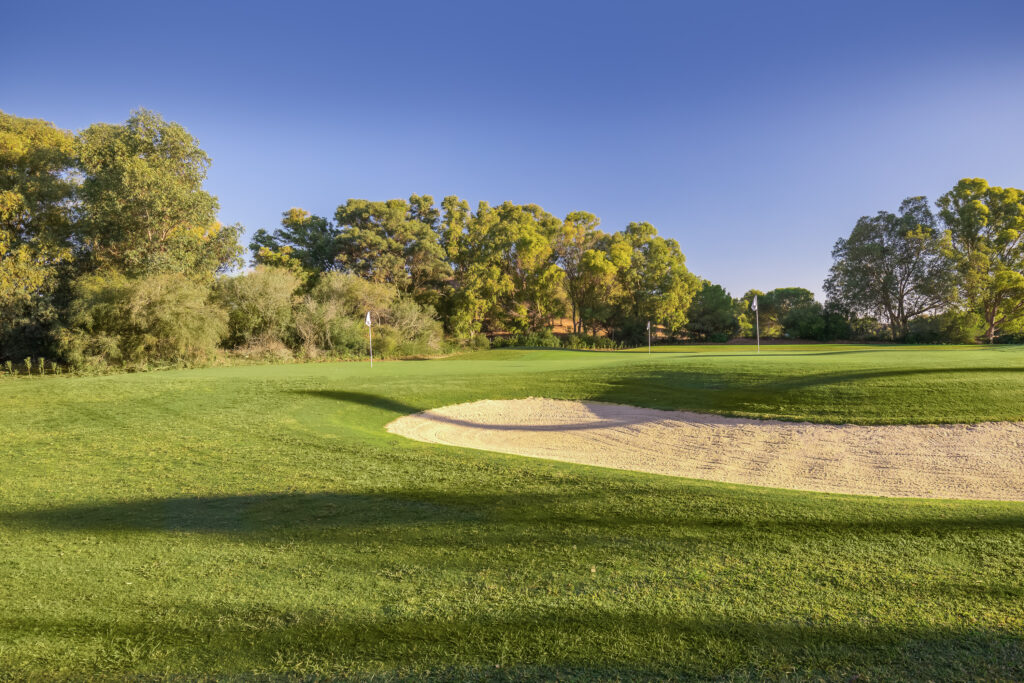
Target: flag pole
{"x": 757, "y": 321}
{"x": 648, "y": 337}
{"x": 369, "y": 331}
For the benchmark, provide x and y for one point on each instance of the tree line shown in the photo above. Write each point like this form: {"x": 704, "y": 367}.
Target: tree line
{"x": 111, "y": 254}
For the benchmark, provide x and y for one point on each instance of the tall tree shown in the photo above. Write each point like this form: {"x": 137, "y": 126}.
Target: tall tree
{"x": 144, "y": 209}
{"x": 655, "y": 284}
{"x": 310, "y": 240}
{"x": 775, "y": 304}
{"x": 394, "y": 241}
{"x": 712, "y": 314}
{"x": 505, "y": 264}
{"x": 37, "y": 203}
{"x": 576, "y": 247}
{"x": 893, "y": 266}
{"x": 986, "y": 225}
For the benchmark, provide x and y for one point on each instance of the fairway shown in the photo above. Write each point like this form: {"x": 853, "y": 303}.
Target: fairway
{"x": 260, "y": 521}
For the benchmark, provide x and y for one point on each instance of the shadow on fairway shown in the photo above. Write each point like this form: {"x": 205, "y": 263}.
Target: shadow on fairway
{"x": 699, "y": 515}
{"x": 604, "y": 417}
{"x": 363, "y": 399}
{"x": 572, "y": 640}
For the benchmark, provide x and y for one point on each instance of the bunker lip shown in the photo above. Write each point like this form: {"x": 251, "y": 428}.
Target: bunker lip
{"x": 982, "y": 461}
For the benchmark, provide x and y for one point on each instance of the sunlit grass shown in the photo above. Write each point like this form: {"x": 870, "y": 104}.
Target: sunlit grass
{"x": 259, "y": 521}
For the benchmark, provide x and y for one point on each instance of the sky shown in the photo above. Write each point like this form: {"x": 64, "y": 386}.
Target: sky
{"x": 754, "y": 133}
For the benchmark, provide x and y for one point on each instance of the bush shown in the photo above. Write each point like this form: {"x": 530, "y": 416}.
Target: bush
{"x": 259, "y": 305}
{"x": 805, "y": 321}
{"x": 332, "y": 318}
{"x": 115, "y": 320}
{"x": 540, "y": 339}
{"x": 950, "y": 327}
{"x": 711, "y": 315}
{"x": 586, "y": 341}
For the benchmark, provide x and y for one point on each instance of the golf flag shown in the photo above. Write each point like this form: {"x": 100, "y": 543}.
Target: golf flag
{"x": 648, "y": 325}
{"x": 369, "y": 331}
{"x": 753, "y": 305}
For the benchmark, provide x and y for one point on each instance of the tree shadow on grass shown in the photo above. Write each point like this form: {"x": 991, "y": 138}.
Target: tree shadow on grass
{"x": 565, "y": 640}
{"x": 695, "y": 510}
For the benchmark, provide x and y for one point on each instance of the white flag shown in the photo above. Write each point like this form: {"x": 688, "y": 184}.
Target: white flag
{"x": 753, "y": 305}
{"x": 648, "y": 325}
{"x": 368, "y": 322}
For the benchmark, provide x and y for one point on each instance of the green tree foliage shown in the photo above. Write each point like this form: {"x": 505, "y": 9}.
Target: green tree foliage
{"x": 712, "y": 314}
{"x": 143, "y": 206}
{"x": 132, "y": 322}
{"x": 654, "y": 284}
{"x": 775, "y": 304}
{"x": 948, "y": 327}
{"x": 893, "y": 266}
{"x": 585, "y": 265}
{"x": 394, "y": 241}
{"x": 331, "y": 318}
{"x": 986, "y": 225}
{"x": 505, "y": 264}
{"x": 304, "y": 243}
{"x": 805, "y": 321}
{"x": 37, "y": 195}
{"x": 259, "y": 305}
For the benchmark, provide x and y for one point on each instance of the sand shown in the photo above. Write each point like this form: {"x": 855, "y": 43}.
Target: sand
{"x": 971, "y": 461}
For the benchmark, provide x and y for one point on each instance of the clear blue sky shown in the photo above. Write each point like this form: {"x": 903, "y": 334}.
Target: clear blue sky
{"x": 754, "y": 133}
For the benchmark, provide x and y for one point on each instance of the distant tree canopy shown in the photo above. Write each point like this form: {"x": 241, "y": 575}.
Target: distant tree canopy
{"x": 712, "y": 314}
{"x": 985, "y": 225}
{"x": 893, "y": 266}
{"x": 965, "y": 269}
{"x": 501, "y": 269}
{"x": 111, "y": 253}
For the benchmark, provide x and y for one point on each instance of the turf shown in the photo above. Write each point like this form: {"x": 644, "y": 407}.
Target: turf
{"x": 257, "y": 521}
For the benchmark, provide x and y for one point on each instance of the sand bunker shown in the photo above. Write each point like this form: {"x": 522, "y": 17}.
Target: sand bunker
{"x": 980, "y": 461}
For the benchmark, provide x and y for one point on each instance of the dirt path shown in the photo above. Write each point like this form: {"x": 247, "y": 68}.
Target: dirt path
{"x": 981, "y": 461}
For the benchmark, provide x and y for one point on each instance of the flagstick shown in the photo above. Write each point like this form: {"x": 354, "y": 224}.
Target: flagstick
{"x": 648, "y": 337}
{"x": 369, "y": 329}
{"x": 757, "y": 322}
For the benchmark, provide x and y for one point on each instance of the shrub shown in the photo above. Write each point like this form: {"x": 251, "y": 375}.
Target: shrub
{"x": 163, "y": 318}
{"x": 805, "y": 321}
{"x": 950, "y": 327}
{"x": 543, "y": 339}
{"x": 332, "y": 318}
{"x": 712, "y": 315}
{"x": 259, "y": 305}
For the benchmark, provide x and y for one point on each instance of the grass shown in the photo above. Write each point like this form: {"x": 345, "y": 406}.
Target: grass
{"x": 258, "y": 522}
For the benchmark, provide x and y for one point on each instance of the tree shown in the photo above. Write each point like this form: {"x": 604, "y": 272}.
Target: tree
{"x": 37, "y": 204}
{"x": 578, "y": 240}
{"x": 395, "y": 241}
{"x": 310, "y": 241}
{"x": 893, "y": 266}
{"x": 143, "y": 206}
{"x": 774, "y": 305}
{"x": 744, "y": 316}
{"x": 805, "y": 321}
{"x": 712, "y": 315}
{"x": 986, "y": 225}
{"x": 654, "y": 284}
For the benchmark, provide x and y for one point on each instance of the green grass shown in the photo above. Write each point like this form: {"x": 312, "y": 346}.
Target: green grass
{"x": 258, "y": 522}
